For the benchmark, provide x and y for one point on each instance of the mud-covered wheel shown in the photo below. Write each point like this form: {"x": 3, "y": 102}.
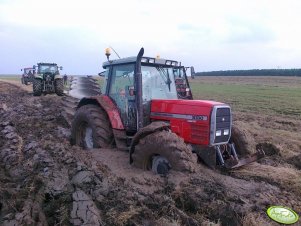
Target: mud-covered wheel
{"x": 161, "y": 146}
{"x": 37, "y": 87}
{"x": 239, "y": 139}
{"x": 59, "y": 86}
{"x": 91, "y": 128}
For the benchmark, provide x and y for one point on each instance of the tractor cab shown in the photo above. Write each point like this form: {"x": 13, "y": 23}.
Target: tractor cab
{"x": 161, "y": 79}
{"x": 49, "y": 69}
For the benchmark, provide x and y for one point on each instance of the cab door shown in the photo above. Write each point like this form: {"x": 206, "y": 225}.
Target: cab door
{"x": 122, "y": 79}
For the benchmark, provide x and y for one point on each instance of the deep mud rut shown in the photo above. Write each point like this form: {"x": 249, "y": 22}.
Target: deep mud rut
{"x": 45, "y": 181}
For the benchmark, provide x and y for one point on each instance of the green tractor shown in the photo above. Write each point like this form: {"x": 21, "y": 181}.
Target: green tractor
{"x": 48, "y": 79}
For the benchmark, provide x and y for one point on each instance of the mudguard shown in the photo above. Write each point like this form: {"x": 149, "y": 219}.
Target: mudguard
{"x": 57, "y": 77}
{"x": 39, "y": 76}
{"x": 151, "y": 128}
{"x": 107, "y": 104}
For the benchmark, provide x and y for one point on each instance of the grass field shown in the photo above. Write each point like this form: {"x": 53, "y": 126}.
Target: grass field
{"x": 263, "y": 95}
{"x": 11, "y": 77}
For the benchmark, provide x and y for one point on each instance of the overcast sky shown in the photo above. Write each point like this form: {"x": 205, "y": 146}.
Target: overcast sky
{"x": 210, "y": 35}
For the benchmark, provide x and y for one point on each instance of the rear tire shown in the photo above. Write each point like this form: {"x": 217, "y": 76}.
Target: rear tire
{"x": 59, "y": 86}
{"x": 37, "y": 87}
{"x": 168, "y": 145}
{"x": 91, "y": 128}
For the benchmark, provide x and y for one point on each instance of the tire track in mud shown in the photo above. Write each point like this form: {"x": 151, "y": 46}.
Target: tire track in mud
{"x": 45, "y": 181}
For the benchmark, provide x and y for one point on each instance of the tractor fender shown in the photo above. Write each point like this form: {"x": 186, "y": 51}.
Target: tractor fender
{"x": 106, "y": 104}
{"x": 57, "y": 76}
{"x": 38, "y": 76}
{"x": 151, "y": 128}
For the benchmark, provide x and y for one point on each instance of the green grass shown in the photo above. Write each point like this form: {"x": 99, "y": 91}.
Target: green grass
{"x": 11, "y": 77}
{"x": 257, "y": 98}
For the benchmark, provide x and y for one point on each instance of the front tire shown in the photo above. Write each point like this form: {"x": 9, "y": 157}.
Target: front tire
{"x": 59, "y": 87}
{"x": 167, "y": 145}
{"x": 37, "y": 87}
{"x": 91, "y": 128}
{"x": 238, "y": 137}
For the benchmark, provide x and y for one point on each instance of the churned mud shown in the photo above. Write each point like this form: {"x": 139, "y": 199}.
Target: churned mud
{"x": 46, "y": 181}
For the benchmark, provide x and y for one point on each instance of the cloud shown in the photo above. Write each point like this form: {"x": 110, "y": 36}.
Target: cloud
{"x": 208, "y": 34}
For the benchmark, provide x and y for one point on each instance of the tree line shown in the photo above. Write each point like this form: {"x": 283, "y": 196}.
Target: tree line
{"x": 253, "y": 72}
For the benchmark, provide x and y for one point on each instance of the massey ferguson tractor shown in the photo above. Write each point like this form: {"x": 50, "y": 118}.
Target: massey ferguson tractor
{"x": 27, "y": 76}
{"x": 140, "y": 110}
{"x": 47, "y": 79}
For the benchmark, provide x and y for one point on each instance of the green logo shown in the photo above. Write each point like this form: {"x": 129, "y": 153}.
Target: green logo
{"x": 283, "y": 215}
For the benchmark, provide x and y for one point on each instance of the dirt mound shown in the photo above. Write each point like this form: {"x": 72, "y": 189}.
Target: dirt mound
{"x": 46, "y": 181}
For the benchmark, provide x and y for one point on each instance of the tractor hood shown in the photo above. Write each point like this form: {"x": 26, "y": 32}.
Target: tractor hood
{"x": 197, "y": 121}
{"x": 185, "y": 107}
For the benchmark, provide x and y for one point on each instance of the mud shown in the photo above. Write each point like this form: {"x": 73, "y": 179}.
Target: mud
{"x": 46, "y": 181}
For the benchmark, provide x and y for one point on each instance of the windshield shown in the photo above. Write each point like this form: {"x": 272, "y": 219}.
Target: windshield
{"x": 158, "y": 83}
{"x": 47, "y": 68}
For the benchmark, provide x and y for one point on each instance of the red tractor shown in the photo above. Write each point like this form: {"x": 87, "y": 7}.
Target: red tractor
{"x": 28, "y": 75}
{"x": 140, "y": 110}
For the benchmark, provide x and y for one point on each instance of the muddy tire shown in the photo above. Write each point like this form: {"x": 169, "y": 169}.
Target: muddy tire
{"x": 239, "y": 139}
{"x": 167, "y": 145}
{"x": 59, "y": 87}
{"x": 37, "y": 87}
{"x": 91, "y": 128}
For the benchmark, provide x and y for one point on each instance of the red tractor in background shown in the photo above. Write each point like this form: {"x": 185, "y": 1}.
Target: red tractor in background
{"x": 146, "y": 107}
{"x": 28, "y": 75}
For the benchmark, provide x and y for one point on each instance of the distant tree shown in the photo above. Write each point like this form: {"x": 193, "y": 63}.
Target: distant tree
{"x": 253, "y": 72}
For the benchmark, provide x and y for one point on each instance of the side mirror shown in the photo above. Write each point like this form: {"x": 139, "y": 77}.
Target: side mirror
{"x": 102, "y": 74}
{"x": 61, "y": 68}
{"x": 21, "y": 69}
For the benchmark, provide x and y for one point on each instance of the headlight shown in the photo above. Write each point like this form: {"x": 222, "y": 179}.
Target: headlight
{"x": 226, "y": 132}
{"x": 218, "y": 133}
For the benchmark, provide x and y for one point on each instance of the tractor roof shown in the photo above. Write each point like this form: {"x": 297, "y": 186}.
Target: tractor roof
{"x": 47, "y": 64}
{"x": 146, "y": 60}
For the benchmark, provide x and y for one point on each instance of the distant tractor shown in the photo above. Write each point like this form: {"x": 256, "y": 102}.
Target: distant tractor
{"x": 146, "y": 107}
{"x": 48, "y": 79}
{"x": 27, "y": 76}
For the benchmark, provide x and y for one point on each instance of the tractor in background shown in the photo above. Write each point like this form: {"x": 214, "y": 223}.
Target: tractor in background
{"x": 47, "y": 79}
{"x": 27, "y": 76}
{"x": 147, "y": 108}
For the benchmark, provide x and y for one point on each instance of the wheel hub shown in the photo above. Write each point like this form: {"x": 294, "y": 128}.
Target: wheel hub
{"x": 160, "y": 165}
{"x": 88, "y": 137}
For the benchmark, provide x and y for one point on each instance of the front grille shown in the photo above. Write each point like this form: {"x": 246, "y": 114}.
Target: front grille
{"x": 220, "y": 122}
